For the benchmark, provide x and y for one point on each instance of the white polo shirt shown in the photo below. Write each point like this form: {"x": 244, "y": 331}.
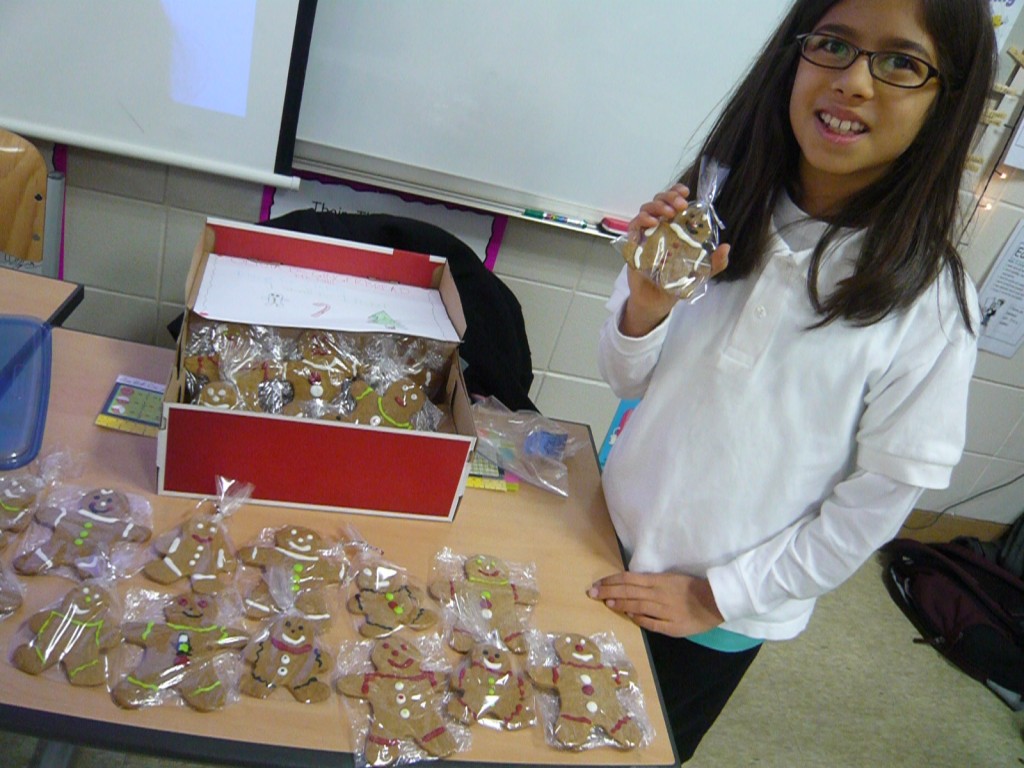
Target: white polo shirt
{"x": 772, "y": 459}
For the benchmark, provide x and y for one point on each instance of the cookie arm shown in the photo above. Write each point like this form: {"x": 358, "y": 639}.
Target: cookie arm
{"x": 545, "y": 677}
{"x": 354, "y": 686}
{"x": 254, "y": 556}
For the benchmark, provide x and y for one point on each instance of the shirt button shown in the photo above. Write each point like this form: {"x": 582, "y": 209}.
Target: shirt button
{"x": 760, "y": 312}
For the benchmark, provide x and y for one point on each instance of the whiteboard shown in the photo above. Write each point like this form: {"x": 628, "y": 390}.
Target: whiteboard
{"x": 189, "y": 83}
{"x": 583, "y": 108}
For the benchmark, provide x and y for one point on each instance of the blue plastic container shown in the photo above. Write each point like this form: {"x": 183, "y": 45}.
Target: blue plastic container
{"x": 25, "y": 357}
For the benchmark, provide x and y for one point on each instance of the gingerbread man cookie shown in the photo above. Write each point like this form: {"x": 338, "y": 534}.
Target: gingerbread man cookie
{"x": 300, "y": 561}
{"x": 488, "y": 689}
{"x": 405, "y": 703}
{"x": 19, "y": 494}
{"x": 317, "y": 377}
{"x": 84, "y": 531}
{"x": 179, "y": 654}
{"x": 388, "y": 602}
{"x": 199, "y": 550}
{"x": 587, "y": 694}
{"x": 288, "y": 656}
{"x": 397, "y": 407}
{"x": 486, "y": 599}
{"x": 76, "y": 634}
{"x": 676, "y": 254}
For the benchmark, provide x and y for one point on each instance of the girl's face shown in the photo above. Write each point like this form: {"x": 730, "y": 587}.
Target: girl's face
{"x": 849, "y": 126}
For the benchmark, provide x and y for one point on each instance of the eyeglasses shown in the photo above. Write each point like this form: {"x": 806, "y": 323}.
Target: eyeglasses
{"x": 892, "y": 67}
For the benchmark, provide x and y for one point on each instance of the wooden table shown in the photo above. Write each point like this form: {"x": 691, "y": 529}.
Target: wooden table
{"x": 49, "y": 299}
{"x": 570, "y": 542}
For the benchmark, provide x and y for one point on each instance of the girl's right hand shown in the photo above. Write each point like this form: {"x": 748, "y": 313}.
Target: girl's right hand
{"x": 649, "y": 304}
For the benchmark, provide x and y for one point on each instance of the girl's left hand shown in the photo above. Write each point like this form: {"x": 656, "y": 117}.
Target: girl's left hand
{"x": 668, "y": 603}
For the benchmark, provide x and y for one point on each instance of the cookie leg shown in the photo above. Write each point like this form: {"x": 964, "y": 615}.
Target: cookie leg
{"x": 36, "y": 561}
{"x": 28, "y": 659}
{"x": 311, "y": 691}
{"x": 439, "y": 742}
{"x": 206, "y": 583}
{"x": 625, "y": 732}
{"x": 381, "y": 747}
{"x": 461, "y": 711}
{"x": 163, "y": 571}
{"x": 203, "y": 690}
{"x": 84, "y": 666}
{"x": 312, "y": 603}
{"x": 259, "y": 604}
{"x": 258, "y": 689}
{"x": 132, "y": 693}
{"x": 573, "y": 732}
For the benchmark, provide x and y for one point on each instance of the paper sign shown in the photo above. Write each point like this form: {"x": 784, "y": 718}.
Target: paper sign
{"x": 259, "y": 293}
{"x": 1002, "y": 299}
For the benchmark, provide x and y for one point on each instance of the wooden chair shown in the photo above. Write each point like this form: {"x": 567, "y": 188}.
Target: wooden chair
{"x": 22, "y": 198}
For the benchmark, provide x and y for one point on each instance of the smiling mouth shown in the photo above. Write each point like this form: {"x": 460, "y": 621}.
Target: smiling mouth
{"x": 844, "y": 127}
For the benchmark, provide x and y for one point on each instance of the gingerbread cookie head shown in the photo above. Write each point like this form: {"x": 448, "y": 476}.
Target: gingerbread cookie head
{"x": 288, "y": 655}
{"x": 388, "y": 602}
{"x": 488, "y": 688}
{"x": 219, "y": 394}
{"x": 191, "y": 609}
{"x": 19, "y": 494}
{"x": 405, "y": 700}
{"x": 76, "y": 633}
{"x": 590, "y": 710}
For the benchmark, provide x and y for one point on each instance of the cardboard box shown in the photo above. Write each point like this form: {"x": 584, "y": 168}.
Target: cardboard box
{"x": 318, "y": 463}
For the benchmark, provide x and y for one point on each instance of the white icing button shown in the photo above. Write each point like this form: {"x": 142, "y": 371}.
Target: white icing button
{"x": 400, "y": 698}
{"x": 585, "y": 679}
{"x": 591, "y": 707}
{"x": 399, "y": 686}
{"x": 286, "y": 659}
{"x": 486, "y": 614}
{"x": 199, "y": 547}
{"x": 282, "y": 671}
{"x": 405, "y": 713}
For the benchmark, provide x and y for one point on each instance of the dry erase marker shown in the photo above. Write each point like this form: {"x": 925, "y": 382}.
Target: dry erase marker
{"x": 557, "y": 219}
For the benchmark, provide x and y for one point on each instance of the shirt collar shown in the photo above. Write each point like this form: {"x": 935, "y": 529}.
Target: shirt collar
{"x": 798, "y": 232}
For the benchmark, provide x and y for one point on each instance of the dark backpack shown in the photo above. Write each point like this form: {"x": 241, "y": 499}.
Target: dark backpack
{"x": 967, "y": 607}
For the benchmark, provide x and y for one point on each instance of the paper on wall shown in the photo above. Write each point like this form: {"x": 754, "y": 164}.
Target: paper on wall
{"x": 260, "y": 293}
{"x": 1002, "y": 299}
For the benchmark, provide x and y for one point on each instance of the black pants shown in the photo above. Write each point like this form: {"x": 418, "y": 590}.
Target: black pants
{"x": 696, "y": 682}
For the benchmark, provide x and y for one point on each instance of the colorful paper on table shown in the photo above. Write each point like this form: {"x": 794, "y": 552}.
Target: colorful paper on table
{"x": 484, "y": 473}
{"x": 134, "y": 406}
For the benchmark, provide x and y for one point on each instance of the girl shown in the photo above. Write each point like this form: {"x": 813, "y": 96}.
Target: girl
{"x": 792, "y": 417}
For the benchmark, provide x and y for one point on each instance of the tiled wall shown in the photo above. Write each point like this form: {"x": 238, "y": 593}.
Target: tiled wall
{"x": 131, "y": 227}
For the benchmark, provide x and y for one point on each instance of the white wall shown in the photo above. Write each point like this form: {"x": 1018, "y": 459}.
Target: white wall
{"x": 131, "y": 227}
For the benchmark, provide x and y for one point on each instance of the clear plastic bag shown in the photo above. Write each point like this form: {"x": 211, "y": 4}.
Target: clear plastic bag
{"x": 487, "y": 596}
{"x": 676, "y": 254}
{"x": 179, "y": 649}
{"x": 200, "y": 549}
{"x": 75, "y": 633}
{"x": 394, "y": 690}
{"x": 525, "y": 443}
{"x": 489, "y": 687}
{"x": 587, "y": 692}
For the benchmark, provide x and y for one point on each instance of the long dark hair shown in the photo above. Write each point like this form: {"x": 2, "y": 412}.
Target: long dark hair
{"x": 909, "y": 216}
